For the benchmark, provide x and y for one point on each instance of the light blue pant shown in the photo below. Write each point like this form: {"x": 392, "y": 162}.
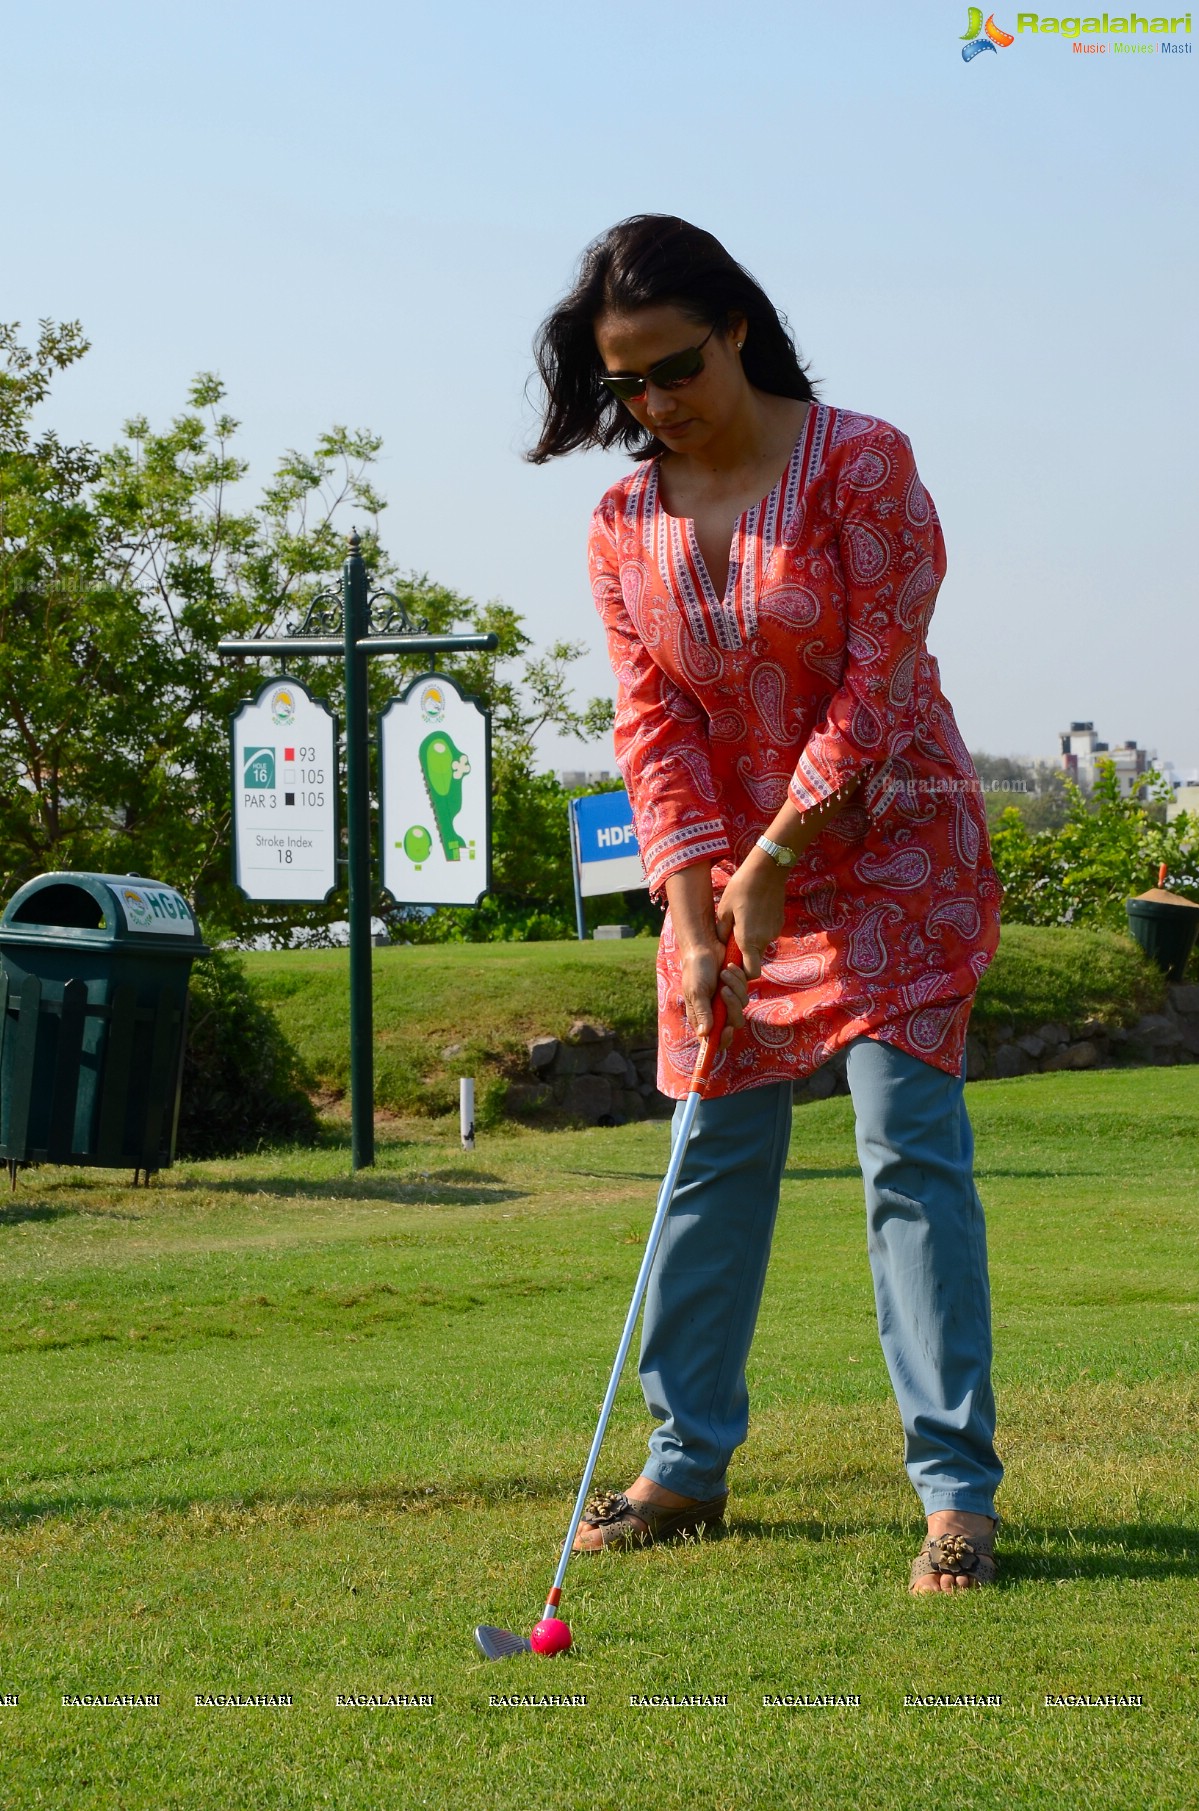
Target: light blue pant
{"x": 927, "y": 1246}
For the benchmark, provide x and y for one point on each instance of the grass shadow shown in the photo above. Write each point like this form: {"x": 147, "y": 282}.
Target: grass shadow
{"x": 847, "y": 1173}
{"x": 654, "y": 1176}
{"x": 301, "y": 1507}
{"x": 482, "y": 1191}
{"x": 16, "y": 1212}
{"x": 986, "y": 1173}
{"x": 1129, "y": 1550}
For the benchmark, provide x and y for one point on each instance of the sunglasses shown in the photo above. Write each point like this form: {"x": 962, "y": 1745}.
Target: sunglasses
{"x": 668, "y": 372}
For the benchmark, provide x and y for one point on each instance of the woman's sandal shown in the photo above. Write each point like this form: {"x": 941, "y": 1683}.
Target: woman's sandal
{"x": 611, "y": 1512}
{"x": 958, "y": 1554}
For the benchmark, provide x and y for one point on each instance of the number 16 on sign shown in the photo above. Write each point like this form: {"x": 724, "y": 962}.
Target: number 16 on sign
{"x": 284, "y": 795}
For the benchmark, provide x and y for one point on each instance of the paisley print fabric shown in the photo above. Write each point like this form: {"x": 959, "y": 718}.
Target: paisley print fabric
{"x": 810, "y": 671}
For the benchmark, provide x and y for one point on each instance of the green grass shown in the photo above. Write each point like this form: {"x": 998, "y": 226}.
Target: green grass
{"x": 484, "y": 1001}
{"x": 1045, "y": 972}
{"x": 269, "y": 1428}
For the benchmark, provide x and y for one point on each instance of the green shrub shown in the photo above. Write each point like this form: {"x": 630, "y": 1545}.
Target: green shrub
{"x": 243, "y": 1082}
{"x": 1106, "y": 852}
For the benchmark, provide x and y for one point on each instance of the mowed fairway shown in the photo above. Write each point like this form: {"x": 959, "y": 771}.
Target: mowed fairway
{"x": 270, "y": 1430}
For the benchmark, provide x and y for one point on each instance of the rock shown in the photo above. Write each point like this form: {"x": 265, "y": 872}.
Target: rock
{"x": 1031, "y": 1045}
{"x": 603, "y": 933}
{"x": 1004, "y": 1034}
{"x": 1011, "y": 1060}
{"x": 1053, "y": 1033}
{"x": 1156, "y": 1030}
{"x": 1190, "y": 1036}
{"x": 566, "y": 1061}
{"x": 583, "y": 1031}
{"x": 1092, "y": 1028}
{"x": 614, "y": 1062}
{"x": 976, "y": 1058}
{"x": 588, "y": 1097}
{"x": 528, "y": 1097}
{"x": 1074, "y": 1056}
{"x": 1184, "y": 996}
{"x": 452, "y": 1050}
{"x": 542, "y": 1052}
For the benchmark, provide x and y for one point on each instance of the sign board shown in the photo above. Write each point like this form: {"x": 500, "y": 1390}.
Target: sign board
{"x": 155, "y": 909}
{"x": 605, "y": 844}
{"x": 285, "y": 795}
{"x": 435, "y": 786}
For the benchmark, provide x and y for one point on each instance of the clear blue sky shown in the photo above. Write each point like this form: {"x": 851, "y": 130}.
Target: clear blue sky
{"x": 359, "y": 214}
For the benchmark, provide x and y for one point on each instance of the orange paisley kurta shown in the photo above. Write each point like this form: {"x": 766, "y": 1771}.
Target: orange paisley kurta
{"x": 811, "y": 670}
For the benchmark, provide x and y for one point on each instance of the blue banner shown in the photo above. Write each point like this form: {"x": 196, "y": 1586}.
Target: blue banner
{"x": 605, "y": 844}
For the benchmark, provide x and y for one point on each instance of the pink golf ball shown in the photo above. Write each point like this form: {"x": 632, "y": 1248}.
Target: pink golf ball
{"x": 549, "y": 1636}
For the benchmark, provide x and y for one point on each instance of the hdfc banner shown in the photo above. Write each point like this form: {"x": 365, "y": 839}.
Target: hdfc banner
{"x": 605, "y": 844}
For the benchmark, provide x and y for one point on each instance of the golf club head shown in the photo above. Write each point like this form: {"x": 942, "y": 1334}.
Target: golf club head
{"x": 500, "y": 1644}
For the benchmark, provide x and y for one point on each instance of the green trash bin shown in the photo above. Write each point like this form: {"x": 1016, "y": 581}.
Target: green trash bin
{"x": 93, "y": 1014}
{"x": 1165, "y": 925}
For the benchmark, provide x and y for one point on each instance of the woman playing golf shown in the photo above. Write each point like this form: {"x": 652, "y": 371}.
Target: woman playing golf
{"x": 765, "y": 574}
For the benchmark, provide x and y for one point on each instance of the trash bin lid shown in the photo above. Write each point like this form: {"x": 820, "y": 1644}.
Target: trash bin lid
{"x": 1159, "y": 896}
{"x": 101, "y": 910}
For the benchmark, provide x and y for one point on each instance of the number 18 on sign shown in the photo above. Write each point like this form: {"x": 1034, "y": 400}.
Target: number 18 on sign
{"x": 284, "y": 795}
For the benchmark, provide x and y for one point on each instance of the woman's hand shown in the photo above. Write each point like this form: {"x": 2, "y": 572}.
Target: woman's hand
{"x": 702, "y": 969}
{"x": 701, "y": 953}
{"x": 754, "y": 905}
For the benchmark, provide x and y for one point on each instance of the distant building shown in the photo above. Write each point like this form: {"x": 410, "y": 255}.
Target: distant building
{"x": 1081, "y": 750}
{"x": 572, "y": 779}
{"x": 1186, "y": 798}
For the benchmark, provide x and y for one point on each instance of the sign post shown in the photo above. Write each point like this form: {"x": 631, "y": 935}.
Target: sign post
{"x": 350, "y": 624}
{"x": 603, "y": 847}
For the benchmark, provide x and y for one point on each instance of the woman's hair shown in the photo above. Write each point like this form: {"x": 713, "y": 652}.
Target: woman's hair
{"x": 643, "y": 262}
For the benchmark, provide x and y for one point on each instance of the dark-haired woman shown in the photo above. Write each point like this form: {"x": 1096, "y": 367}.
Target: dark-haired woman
{"x": 765, "y": 576}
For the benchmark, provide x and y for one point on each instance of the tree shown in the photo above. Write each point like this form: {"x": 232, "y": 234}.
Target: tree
{"x": 119, "y": 574}
{"x": 1036, "y": 789}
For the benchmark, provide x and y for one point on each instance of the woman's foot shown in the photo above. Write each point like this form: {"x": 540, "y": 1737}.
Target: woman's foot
{"x": 944, "y": 1564}
{"x": 630, "y": 1529}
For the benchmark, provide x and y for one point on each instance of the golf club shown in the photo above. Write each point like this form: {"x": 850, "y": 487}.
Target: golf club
{"x": 551, "y": 1635}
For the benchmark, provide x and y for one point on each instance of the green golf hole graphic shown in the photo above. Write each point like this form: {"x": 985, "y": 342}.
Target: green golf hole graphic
{"x": 417, "y": 845}
{"x": 444, "y": 767}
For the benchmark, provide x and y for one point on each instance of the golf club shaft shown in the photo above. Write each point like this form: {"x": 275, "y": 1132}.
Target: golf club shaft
{"x": 709, "y": 1047}
{"x": 678, "y": 1152}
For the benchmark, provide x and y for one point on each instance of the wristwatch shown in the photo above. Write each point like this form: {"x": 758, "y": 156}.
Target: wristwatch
{"x": 778, "y": 852}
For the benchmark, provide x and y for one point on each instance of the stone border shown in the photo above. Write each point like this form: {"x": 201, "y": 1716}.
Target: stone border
{"x": 591, "y": 1075}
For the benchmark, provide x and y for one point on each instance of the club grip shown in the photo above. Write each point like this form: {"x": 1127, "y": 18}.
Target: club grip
{"x": 709, "y": 1046}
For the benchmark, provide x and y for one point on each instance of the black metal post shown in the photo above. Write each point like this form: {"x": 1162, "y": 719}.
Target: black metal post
{"x": 319, "y": 635}
{"x": 356, "y": 622}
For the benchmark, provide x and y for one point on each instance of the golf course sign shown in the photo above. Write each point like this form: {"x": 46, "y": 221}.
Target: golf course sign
{"x": 434, "y": 770}
{"x": 284, "y": 795}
